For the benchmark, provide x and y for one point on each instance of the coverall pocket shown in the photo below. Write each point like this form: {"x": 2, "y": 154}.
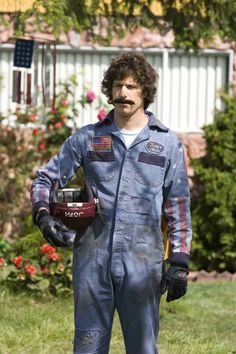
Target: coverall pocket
{"x": 150, "y": 169}
{"x": 99, "y": 165}
{"x": 155, "y": 269}
{"x": 100, "y": 156}
{"x": 148, "y": 239}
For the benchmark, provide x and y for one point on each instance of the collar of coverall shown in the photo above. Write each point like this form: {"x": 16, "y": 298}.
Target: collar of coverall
{"x": 152, "y": 121}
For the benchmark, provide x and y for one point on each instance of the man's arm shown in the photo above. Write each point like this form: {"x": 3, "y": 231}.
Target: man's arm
{"x": 177, "y": 215}
{"x": 60, "y": 168}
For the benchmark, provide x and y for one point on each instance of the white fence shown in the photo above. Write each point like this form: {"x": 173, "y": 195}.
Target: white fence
{"x": 188, "y": 85}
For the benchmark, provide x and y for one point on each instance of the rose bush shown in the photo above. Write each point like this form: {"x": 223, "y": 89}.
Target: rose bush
{"x": 37, "y": 136}
{"x": 48, "y": 272}
{"x": 62, "y": 118}
{"x": 26, "y": 263}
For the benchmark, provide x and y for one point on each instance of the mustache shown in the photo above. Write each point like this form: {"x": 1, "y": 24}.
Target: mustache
{"x": 122, "y": 100}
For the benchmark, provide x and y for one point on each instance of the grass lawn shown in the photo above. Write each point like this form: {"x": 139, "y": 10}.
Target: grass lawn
{"x": 203, "y": 322}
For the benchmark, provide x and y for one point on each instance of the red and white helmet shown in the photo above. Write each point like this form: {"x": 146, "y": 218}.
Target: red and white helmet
{"x": 75, "y": 207}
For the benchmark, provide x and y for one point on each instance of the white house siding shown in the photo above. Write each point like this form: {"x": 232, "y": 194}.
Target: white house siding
{"x": 188, "y": 85}
{"x": 194, "y": 84}
{"x": 6, "y": 63}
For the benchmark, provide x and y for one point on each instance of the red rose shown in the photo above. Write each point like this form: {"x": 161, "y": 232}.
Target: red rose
{"x": 54, "y": 256}
{"x": 47, "y": 249}
{"x": 90, "y": 96}
{"x": 35, "y": 131}
{"x": 18, "y": 261}
{"x": 30, "y": 269}
{"x": 58, "y": 125}
{"x": 64, "y": 102}
{"x": 2, "y": 261}
{"x": 63, "y": 118}
{"x": 42, "y": 146}
{"x": 33, "y": 117}
{"x": 101, "y": 114}
{"x": 53, "y": 111}
{"x": 45, "y": 270}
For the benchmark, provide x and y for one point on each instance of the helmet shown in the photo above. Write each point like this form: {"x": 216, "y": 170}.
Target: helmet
{"x": 75, "y": 207}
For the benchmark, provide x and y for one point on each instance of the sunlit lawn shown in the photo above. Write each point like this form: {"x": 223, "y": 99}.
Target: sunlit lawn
{"x": 204, "y": 322}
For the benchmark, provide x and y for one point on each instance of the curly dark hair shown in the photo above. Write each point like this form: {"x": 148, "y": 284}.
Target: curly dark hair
{"x": 134, "y": 64}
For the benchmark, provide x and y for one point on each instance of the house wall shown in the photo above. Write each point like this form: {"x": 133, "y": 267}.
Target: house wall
{"x": 187, "y": 94}
{"x": 187, "y": 90}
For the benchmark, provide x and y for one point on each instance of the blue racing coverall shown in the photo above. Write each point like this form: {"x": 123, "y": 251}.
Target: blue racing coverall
{"x": 118, "y": 260}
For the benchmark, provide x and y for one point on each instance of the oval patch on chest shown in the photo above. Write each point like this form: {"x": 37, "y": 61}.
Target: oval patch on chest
{"x": 154, "y": 147}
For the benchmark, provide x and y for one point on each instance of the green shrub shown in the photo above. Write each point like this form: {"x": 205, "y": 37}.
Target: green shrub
{"x": 214, "y": 201}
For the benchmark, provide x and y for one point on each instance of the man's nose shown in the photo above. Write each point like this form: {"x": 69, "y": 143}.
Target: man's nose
{"x": 123, "y": 91}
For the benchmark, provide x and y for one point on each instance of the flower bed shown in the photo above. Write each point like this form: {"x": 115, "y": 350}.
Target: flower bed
{"x": 46, "y": 272}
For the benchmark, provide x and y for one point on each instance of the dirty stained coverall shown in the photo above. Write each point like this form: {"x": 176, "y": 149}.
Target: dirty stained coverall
{"x": 118, "y": 260}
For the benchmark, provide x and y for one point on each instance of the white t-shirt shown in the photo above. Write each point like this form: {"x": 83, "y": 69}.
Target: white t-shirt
{"x": 129, "y": 136}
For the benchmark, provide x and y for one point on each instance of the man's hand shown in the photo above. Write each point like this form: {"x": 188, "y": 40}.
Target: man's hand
{"x": 54, "y": 231}
{"x": 176, "y": 282}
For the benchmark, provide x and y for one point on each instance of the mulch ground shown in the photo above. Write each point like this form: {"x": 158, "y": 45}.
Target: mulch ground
{"x": 202, "y": 275}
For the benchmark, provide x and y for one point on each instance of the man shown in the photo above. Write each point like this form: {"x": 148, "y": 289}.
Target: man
{"x": 138, "y": 167}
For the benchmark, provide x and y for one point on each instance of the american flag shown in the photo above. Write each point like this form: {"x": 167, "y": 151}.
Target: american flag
{"x": 101, "y": 143}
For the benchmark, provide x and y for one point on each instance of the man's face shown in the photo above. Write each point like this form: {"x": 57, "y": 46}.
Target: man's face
{"x": 127, "y": 96}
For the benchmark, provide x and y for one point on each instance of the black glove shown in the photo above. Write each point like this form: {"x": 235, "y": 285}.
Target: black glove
{"x": 176, "y": 280}
{"x": 54, "y": 231}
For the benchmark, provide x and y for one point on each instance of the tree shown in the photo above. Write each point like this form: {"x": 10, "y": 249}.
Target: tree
{"x": 192, "y": 21}
{"x": 200, "y": 20}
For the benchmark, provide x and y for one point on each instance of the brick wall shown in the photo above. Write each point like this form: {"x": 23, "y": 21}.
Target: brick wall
{"x": 194, "y": 144}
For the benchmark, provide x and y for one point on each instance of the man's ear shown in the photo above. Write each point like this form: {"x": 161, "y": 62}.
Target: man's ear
{"x": 144, "y": 94}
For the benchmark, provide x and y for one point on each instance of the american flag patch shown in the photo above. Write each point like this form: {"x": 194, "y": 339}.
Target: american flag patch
{"x": 101, "y": 143}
